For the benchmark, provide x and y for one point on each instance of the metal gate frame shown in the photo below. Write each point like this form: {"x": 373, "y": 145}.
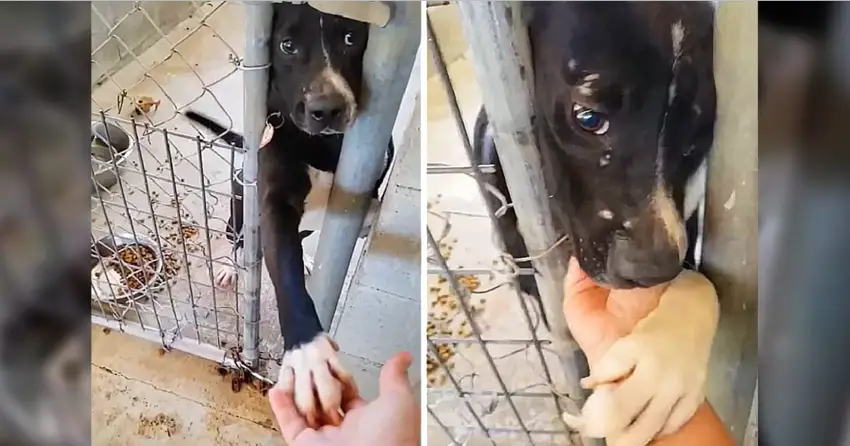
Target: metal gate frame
{"x": 490, "y": 28}
{"x": 389, "y": 60}
{"x": 146, "y": 129}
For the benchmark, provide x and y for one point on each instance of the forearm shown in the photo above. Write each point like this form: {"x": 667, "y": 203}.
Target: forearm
{"x": 703, "y": 429}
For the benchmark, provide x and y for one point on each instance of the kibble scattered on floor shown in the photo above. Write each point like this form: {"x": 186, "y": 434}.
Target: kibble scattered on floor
{"x": 446, "y": 318}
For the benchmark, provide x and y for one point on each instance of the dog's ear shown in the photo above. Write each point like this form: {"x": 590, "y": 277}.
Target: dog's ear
{"x": 690, "y": 117}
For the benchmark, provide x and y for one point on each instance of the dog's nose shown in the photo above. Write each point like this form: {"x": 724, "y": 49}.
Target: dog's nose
{"x": 633, "y": 264}
{"x": 325, "y": 108}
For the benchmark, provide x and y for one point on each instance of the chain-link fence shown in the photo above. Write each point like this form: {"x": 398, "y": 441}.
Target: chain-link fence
{"x": 494, "y": 372}
{"x": 161, "y": 189}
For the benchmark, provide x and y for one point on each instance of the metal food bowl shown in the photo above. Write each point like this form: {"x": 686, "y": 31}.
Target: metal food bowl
{"x": 118, "y": 144}
{"x": 108, "y": 247}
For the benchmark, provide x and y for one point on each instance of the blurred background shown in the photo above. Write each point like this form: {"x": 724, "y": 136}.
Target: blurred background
{"x": 804, "y": 210}
{"x": 804, "y": 206}
{"x": 44, "y": 186}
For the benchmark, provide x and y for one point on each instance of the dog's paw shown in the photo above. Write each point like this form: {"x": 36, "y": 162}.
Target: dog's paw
{"x": 225, "y": 277}
{"x": 652, "y": 381}
{"x": 318, "y": 380}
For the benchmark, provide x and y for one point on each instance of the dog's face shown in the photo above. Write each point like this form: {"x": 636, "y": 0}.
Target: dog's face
{"x": 316, "y": 67}
{"x": 625, "y": 113}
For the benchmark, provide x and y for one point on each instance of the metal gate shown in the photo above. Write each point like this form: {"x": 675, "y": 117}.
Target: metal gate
{"x": 482, "y": 384}
{"x": 161, "y": 196}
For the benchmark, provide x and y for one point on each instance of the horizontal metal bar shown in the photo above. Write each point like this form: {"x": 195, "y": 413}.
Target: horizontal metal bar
{"x": 446, "y": 340}
{"x": 185, "y": 345}
{"x": 509, "y": 430}
{"x": 490, "y": 393}
{"x": 112, "y": 204}
{"x": 476, "y": 272}
{"x": 217, "y": 260}
{"x": 143, "y": 309}
{"x": 179, "y": 183}
{"x": 148, "y": 309}
{"x": 155, "y": 129}
{"x": 446, "y": 170}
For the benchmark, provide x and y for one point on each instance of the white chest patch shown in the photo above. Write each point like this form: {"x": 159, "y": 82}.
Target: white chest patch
{"x": 316, "y": 203}
{"x": 695, "y": 190}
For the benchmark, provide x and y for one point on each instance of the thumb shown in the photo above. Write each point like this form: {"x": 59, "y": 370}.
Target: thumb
{"x": 582, "y": 296}
{"x": 290, "y": 422}
{"x": 394, "y": 374}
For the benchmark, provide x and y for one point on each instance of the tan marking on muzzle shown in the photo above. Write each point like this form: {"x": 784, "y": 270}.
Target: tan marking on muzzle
{"x": 666, "y": 213}
{"x": 328, "y": 81}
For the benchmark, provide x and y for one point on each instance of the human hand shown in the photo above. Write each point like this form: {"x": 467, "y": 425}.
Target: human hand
{"x": 393, "y": 419}
{"x": 648, "y": 352}
{"x": 597, "y": 316}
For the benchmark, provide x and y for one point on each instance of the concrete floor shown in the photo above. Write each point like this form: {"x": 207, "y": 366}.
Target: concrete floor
{"x": 141, "y": 396}
{"x": 380, "y": 302}
{"x": 468, "y": 243}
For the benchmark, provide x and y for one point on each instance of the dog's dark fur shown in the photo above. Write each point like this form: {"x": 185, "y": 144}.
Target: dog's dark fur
{"x": 305, "y": 44}
{"x": 617, "y": 59}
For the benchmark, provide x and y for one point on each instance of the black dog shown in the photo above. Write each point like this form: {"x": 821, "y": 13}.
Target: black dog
{"x": 624, "y": 111}
{"x": 314, "y": 88}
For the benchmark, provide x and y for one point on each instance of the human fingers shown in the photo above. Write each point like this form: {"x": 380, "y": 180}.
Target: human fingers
{"x": 582, "y": 296}
{"x": 329, "y": 393}
{"x": 351, "y": 399}
{"x": 393, "y": 377}
{"x": 576, "y": 280}
{"x": 291, "y": 423}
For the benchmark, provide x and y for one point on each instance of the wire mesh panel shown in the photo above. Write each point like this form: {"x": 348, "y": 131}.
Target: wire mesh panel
{"x": 492, "y": 369}
{"x": 161, "y": 188}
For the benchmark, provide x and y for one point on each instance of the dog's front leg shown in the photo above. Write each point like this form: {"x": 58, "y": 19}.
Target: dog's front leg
{"x": 309, "y": 353}
{"x": 652, "y": 381}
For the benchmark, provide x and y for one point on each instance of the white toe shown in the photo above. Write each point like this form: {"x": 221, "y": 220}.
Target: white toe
{"x": 225, "y": 277}
{"x": 316, "y": 388}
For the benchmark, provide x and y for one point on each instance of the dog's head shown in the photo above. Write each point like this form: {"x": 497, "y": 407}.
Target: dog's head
{"x": 625, "y": 105}
{"x": 316, "y": 67}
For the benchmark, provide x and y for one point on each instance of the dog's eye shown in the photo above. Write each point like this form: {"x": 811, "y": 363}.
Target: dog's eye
{"x": 590, "y": 121}
{"x": 287, "y": 47}
{"x": 349, "y": 39}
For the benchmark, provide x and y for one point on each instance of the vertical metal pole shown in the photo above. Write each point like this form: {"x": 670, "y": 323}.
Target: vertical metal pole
{"x": 501, "y": 56}
{"x": 730, "y": 247}
{"x": 386, "y": 68}
{"x": 258, "y": 25}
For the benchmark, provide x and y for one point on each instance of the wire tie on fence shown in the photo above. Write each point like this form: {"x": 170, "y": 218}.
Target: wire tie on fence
{"x": 277, "y": 115}
{"x": 253, "y": 67}
{"x": 511, "y": 262}
{"x": 544, "y": 253}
